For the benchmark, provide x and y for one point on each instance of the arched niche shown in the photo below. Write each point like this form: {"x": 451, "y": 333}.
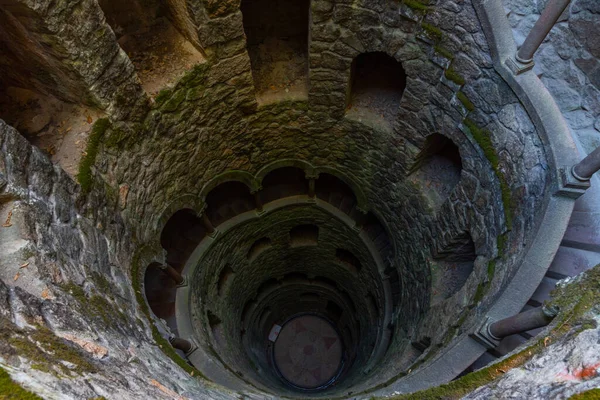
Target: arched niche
{"x": 180, "y": 236}
{"x": 158, "y": 36}
{"x": 278, "y": 49}
{"x": 227, "y": 200}
{"x": 284, "y": 182}
{"x": 437, "y": 168}
{"x": 451, "y": 266}
{"x": 159, "y": 290}
{"x": 304, "y": 235}
{"x": 336, "y": 192}
{"x": 377, "y": 83}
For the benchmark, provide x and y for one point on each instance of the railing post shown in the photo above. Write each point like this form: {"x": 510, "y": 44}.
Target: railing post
{"x": 173, "y": 274}
{"x": 258, "y": 200}
{"x": 490, "y": 333}
{"x": 587, "y": 167}
{"x": 523, "y": 60}
{"x": 181, "y": 344}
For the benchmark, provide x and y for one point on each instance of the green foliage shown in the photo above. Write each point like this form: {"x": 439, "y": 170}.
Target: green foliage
{"x": 593, "y": 394}
{"x": 465, "y": 101}
{"x": 454, "y": 76}
{"x": 432, "y": 31}
{"x": 483, "y": 138}
{"x": 10, "y": 390}
{"x": 84, "y": 176}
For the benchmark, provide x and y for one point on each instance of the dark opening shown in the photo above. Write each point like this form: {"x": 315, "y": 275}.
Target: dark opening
{"x": 284, "y": 182}
{"x": 376, "y": 86}
{"x": 228, "y": 200}
{"x": 304, "y": 235}
{"x": 334, "y": 311}
{"x": 378, "y": 234}
{"x": 348, "y": 260}
{"x": 394, "y": 278}
{"x": 451, "y": 266}
{"x": 438, "y": 167}
{"x": 180, "y": 236}
{"x": 224, "y": 277}
{"x": 336, "y": 192}
{"x": 158, "y": 36}
{"x": 258, "y": 247}
{"x": 160, "y": 289}
{"x": 278, "y": 49}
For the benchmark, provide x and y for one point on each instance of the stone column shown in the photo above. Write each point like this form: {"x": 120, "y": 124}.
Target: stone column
{"x": 311, "y": 187}
{"x": 525, "y": 321}
{"x": 588, "y": 166}
{"x": 173, "y": 274}
{"x": 181, "y": 344}
{"x": 207, "y": 224}
{"x": 524, "y": 57}
{"x": 258, "y": 200}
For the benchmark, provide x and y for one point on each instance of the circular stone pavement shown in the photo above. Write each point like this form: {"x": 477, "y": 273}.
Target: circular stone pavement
{"x": 308, "y": 352}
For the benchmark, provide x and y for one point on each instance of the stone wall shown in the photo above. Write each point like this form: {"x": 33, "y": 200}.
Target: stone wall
{"x": 208, "y": 124}
{"x": 69, "y": 322}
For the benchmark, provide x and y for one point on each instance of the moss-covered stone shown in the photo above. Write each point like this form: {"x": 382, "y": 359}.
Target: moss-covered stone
{"x": 483, "y": 138}
{"x": 593, "y": 394}
{"x": 10, "y": 390}
{"x": 416, "y": 5}
{"x": 46, "y": 351}
{"x": 433, "y": 32}
{"x": 454, "y": 76}
{"x": 84, "y": 176}
{"x": 465, "y": 101}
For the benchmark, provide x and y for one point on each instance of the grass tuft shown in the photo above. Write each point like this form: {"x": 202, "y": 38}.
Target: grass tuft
{"x": 11, "y": 390}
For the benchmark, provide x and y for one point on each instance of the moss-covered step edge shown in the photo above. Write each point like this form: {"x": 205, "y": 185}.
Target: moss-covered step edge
{"x": 9, "y": 389}
{"x": 574, "y": 301}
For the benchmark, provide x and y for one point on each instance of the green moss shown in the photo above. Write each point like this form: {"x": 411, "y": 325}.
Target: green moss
{"x": 432, "y": 31}
{"x": 479, "y": 293}
{"x": 416, "y": 6}
{"x": 491, "y": 270}
{"x": 454, "y": 76}
{"x": 593, "y": 394}
{"x": 115, "y": 138}
{"x": 575, "y": 301}
{"x": 97, "y": 305}
{"x": 10, "y": 390}
{"x": 483, "y": 138}
{"x": 176, "y": 99}
{"x": 164, "y": 345}
{"x": 443, "y": 51}
{"x": 465, "y": 101}
{"x": 162, "y": 96}
{"x": 46, "y": 351}
{"x": 84, "y": 176}
{"x": 501, "y": 243}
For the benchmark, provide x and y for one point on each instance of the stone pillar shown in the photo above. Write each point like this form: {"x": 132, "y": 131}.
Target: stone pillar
{"x": 525, "y": 321}
{"x": 258, "y": 200}
{"x": 524, "y": 57}
{"x": 181, "y": 344}
{"x": 207, "y": 224}
{"x": 173, "y": 274}
{"x": 311, "y": 187}
{"x": 588, "y": 166}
